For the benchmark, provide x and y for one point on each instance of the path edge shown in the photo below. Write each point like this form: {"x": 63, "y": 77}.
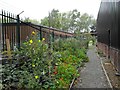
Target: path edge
{"x": 108, "y": 79}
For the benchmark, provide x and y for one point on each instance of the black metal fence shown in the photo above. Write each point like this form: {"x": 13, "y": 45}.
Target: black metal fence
{"x": 15, "y": 31}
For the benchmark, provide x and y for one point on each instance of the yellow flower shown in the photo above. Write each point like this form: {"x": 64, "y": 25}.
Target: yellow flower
{"x": 36, "y": 77}
{"x": 33, "y": 33}
{"x": 38, "y": 40}
{"x": 43, "y": 39}
{"x": 31, "y": 41}
{"x": 33, "y": 65}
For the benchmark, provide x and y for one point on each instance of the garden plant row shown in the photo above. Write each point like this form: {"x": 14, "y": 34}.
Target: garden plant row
{"x": 36, "y": 65}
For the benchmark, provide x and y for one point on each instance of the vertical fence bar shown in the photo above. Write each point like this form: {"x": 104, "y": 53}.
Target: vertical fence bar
{"x": 3, "y": 39}
{"x": 12, "y": 15}
{"x": 50, "y": 39}
{"x": 14, "y": 31}
{"x": 53, "y": 36}
{"x": 18, "y": 32}
{"x": 12, "y": 35}
{"x": 40, "y": 33}
{"x": 7, "y": 26}
{"x": 60, "y": 41}
{"x": 7, "y": 17}
{"x": 66, "y": 36}
{"x": 4, "y": 26}
{"x": 60, "y": 36}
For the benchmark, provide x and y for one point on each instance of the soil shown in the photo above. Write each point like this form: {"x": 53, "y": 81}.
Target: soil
{"x": 110, "y": 70}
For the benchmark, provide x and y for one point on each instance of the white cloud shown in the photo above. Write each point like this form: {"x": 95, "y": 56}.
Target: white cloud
{"x": 38, "y": 9}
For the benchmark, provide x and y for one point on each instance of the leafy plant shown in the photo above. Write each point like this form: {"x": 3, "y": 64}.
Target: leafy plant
{"x": 37, "y": 66}
{"x": 30, "y": 67}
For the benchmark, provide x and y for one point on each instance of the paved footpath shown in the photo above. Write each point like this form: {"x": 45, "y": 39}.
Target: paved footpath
{"x": 92, "y": 75}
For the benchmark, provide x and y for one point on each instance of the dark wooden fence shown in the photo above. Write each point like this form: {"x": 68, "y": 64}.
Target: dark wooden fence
{"x": 108, "y": 30}
{"x": 108, "y": 23}
{"x": 17, "y": 31}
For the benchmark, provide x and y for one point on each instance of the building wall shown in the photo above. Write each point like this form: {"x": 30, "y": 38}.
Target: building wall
{"x": 112, "y": 52}
{"x": 108, "y": 25}
{"x": 0, "y": 36}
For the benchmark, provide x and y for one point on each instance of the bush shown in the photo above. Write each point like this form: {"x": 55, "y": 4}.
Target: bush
{"x": 64, "y": 74}
{"x": 30, "y": 69}
{"x": 37, "y": 66}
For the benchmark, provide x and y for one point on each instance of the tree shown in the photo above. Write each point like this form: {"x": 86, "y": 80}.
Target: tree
{"x": 71, "y": 21}
{"x": 85, "y": 22}
{"x": 65, "y": 21}
{"x": 53, "y": 20}
{"x": 31, "y": 20}
{"x": 45, "y": 21}
{"x": 74, "y": 19}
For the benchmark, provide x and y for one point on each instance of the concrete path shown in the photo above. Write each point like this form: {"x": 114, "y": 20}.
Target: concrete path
{"x": 92, "y": 75}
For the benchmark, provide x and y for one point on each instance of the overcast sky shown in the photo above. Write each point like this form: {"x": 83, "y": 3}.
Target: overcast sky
{"x": 38, "y": 9}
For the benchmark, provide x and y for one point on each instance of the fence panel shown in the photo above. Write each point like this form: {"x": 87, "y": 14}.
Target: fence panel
{"x": 8, "y": 29}
{"x": 16, "y": 31}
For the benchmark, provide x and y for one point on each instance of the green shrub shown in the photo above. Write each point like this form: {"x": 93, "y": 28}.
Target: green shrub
{"x": 30, "y": 67}
{"x": 37, "y": 66}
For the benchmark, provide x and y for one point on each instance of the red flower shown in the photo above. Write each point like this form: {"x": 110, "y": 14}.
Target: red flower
{"x": 55, "y": 73}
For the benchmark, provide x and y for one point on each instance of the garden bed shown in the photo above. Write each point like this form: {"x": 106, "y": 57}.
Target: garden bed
{"x": 114, "y": 80}
{"x": 37, "y": 65}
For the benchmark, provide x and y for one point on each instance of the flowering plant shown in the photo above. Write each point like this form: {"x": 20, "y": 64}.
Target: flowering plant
{"x": 31, "y": 65}
{"x": 37, "y": 66}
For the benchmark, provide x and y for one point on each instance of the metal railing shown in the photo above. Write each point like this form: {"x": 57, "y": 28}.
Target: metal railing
{"x": 15, "y": 31}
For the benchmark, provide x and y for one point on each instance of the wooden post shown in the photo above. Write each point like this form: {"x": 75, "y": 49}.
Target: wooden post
{"x": 8, "y": 48}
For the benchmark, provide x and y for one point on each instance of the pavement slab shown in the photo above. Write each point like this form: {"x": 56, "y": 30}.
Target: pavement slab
{"x": 92, "y": 75}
